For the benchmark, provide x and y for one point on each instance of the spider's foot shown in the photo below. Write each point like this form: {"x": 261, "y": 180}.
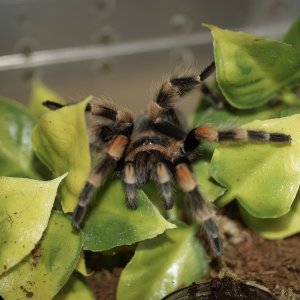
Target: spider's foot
{"x": 132, "y": 204}
{"x": 78, "y": 216}
{"x": 168, "y": 203}
{"x": 212, "y": 232}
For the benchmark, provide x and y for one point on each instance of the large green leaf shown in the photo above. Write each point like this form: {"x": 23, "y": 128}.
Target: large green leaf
{"x": 277, "y": 228}
{"x": 162, "y": 265}
{"x": 16, "y": 155}
{"x": 46, "y": 270}
{"x": 25, "y": 206}
{"x": 81, "y": 266}
{"x": 75, "y": 289}
{"x": 290, "y": 111}
{"x": 39, "y": 94}
{"x": 263, "y": 177}
{"x": 293, "y": 35}
{"x": 251, "y": 69}
{"x": 221, "y": 118}
{"x": 110, "y": 223}
{"x": 60, "y": 140}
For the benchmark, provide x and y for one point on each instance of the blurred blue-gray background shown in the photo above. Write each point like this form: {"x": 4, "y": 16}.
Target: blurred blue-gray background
{"x": 120, "y": 48}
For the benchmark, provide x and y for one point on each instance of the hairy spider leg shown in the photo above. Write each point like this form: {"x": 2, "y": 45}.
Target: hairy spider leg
{"x": 211, "y": 97}
{"x": 96, "y": 178}
{"x": 201, "y": 209}
{"x": 196, "y": 135}
{"x": 165, "y": 120}
{"x": 175, "y": 88}
{"x": 110, "y": 137}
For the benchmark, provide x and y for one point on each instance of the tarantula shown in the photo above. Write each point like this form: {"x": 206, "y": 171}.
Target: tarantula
{"x": 156, "y": 146}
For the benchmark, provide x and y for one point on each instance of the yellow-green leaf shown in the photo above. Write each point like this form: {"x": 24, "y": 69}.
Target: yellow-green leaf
{"x": 45, "y": 271}
{"x": 277, "y": 228}
{"x": 162, "y": 265}
{"x": 16, "y": 155}
{"x": 210, "y": 190}
{"x": 263, "y": 177}
{"x": 75, "y": 289}
{"x": 81, "y": 267}
{"x": 61, "y": 142}
{"x": 25, "y": 206}
{"x": 251, "y": 69}
{"x": 293, "y": 35}
{"x": 110, "y": 223}
{"x": 39, "y": 94}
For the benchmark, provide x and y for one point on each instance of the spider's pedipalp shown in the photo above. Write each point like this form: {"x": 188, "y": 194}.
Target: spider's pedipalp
{"x": 131, "y": 200}
{"x": 130, "y": 181}
{"x": 201, "y": 209}
{"x": 166, "y": 190}
{"x": 164, "y": 180}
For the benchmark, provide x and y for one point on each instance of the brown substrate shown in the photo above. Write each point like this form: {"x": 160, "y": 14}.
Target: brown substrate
{"x": 274, "y": 265}
{"x": 104, "y": 284}
{"x": 250, "y": 258}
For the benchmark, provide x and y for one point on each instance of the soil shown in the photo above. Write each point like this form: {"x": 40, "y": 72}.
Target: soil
{"x": 274, "y": 265}
{"x": 270, "y": 265}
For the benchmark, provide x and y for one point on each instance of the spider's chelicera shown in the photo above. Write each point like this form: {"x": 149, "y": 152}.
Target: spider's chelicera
{"x": 156, "y": 146}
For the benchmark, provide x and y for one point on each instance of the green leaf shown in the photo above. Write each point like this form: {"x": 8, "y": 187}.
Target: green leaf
{"x": 290, "y": 111}
{"x": 81, "y": 267}
{"x": 292, "y": 37}
{"x": 210, "y": 190}
{"x": 251, "y": 69}
{"x": 16, "y": 155}
{"x": 110, "y": 223}
{"x": 25, "y": 206}
{"x": 75, "y": 289}
{"x": 263, "y": 177}
{"x": 39, "y": 94}
{"x": 162, "y": 265}
{"x": 217, "y": 117}
{"x": 44, "y": 272}
{"x": 60, "y": 140}
{"x": 277, "y": 228}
